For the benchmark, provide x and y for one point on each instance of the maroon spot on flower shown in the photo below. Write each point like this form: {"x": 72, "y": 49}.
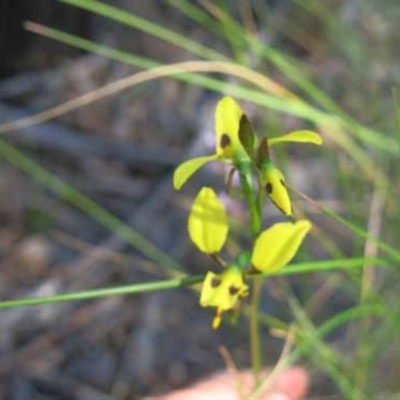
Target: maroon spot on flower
{"x": 215, "y": 282}
{"x": 225, "y": 140}
{"x": 233, "y": 290}
{"x": 268, "y": 187}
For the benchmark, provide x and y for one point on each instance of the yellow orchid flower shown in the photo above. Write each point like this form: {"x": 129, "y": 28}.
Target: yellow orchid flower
{"x": 276, "y": 246}
{"x": 223, "y": 291}
{"x": 273, "y": 249}
{"x": 235, "y": 141}
{"x": 227, "y": 119}
{"x": 208, "y": 222}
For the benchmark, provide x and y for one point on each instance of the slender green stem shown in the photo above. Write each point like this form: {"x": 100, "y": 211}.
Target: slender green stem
{"x": 151, "y": 28}
{"x": 246, "y": 182}
{"x": 254, "y": 206}
{"x": 260, "y": 198}
{"x": 329, "y": 265}
{"x": 329, "y": 358}
{"x": 396, "y": 108}
{"x": 367, "y": 294}
{"x": 255, "y": 336}
{"x": 107, "y": 292}
{"x": 391, "y": 251}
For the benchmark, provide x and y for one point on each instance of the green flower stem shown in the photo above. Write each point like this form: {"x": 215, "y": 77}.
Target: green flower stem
{"x": 254, "y": 205}
{"x": 108, "y": 292}
{"x": 255, "y": 336}
{"x": 260, "y": 197}
{"x": 247, "y": 185}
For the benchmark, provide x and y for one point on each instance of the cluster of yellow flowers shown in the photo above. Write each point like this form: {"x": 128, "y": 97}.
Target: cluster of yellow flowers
{"x": 208, "y": 228}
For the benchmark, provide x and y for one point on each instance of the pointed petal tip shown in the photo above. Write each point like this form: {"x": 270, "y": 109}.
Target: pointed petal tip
{"x": 304, "y": 224}
{"x": 282, "y": 241}
{"x": 227, "y": 119}
{"x": 177, "y": 182}
{"x": 299, "y": 136}
{"x": 185, "y": 170}
{"x": 272, "y": 179}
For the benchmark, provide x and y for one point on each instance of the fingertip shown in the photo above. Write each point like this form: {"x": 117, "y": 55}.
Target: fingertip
{"x": 292, "y": 383}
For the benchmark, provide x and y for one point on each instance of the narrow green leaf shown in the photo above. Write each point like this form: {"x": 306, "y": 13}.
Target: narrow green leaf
{"x": 329, "y": 265}
{"x": 151, "y": 28}
{"x": 107, "y": 292}
{"x": 396, "y": 106}
{"x": 346, "y": 316}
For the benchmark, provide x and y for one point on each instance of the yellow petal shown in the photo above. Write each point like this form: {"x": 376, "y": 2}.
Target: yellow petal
{"x": 208, "y": 222}
{"x": 223, "y": 290}
{"x": 273, "y": 182}
{"x": 276, "y": 246}
{"x": 301, "y": 136}
{"x": 188, "y": 168}
{"x": 227, "y": 119}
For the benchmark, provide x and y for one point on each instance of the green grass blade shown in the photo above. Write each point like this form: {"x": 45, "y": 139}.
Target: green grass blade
{"x": 324, "y": 356}
{"x": 287, "y": 66}
{"x": 90, "y": 46}
{"x": 106, "y": 292}
{"x": 395, "y": 254}
{"x": 133, "y": 21}
{"x": 392, "y": 252}
{"x": 195, "y": 13}
{"x": 295, "y": 107}
{"x": 294, "y": 70}
{"x": 210, "y": 83}
{"x": 351, "y": 314}
{"x": 329, "y": 265}
{"x": 396, "y": 111}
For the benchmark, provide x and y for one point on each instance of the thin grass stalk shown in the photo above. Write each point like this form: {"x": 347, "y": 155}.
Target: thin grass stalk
{"x": 105, "y": 292}
{"x": 363, "y": 353}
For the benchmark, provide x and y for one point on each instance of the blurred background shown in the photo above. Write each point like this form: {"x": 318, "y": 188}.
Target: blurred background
{"x": 121, "y": 152}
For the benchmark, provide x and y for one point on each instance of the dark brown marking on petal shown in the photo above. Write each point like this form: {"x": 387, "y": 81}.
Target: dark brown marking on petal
{"x": 233, "y": 290}
{"x": 269, "y": 187}
{"x": 283, "y": 183}
{"x": 215, "y": 282}
{"x": 225, "y": 140}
